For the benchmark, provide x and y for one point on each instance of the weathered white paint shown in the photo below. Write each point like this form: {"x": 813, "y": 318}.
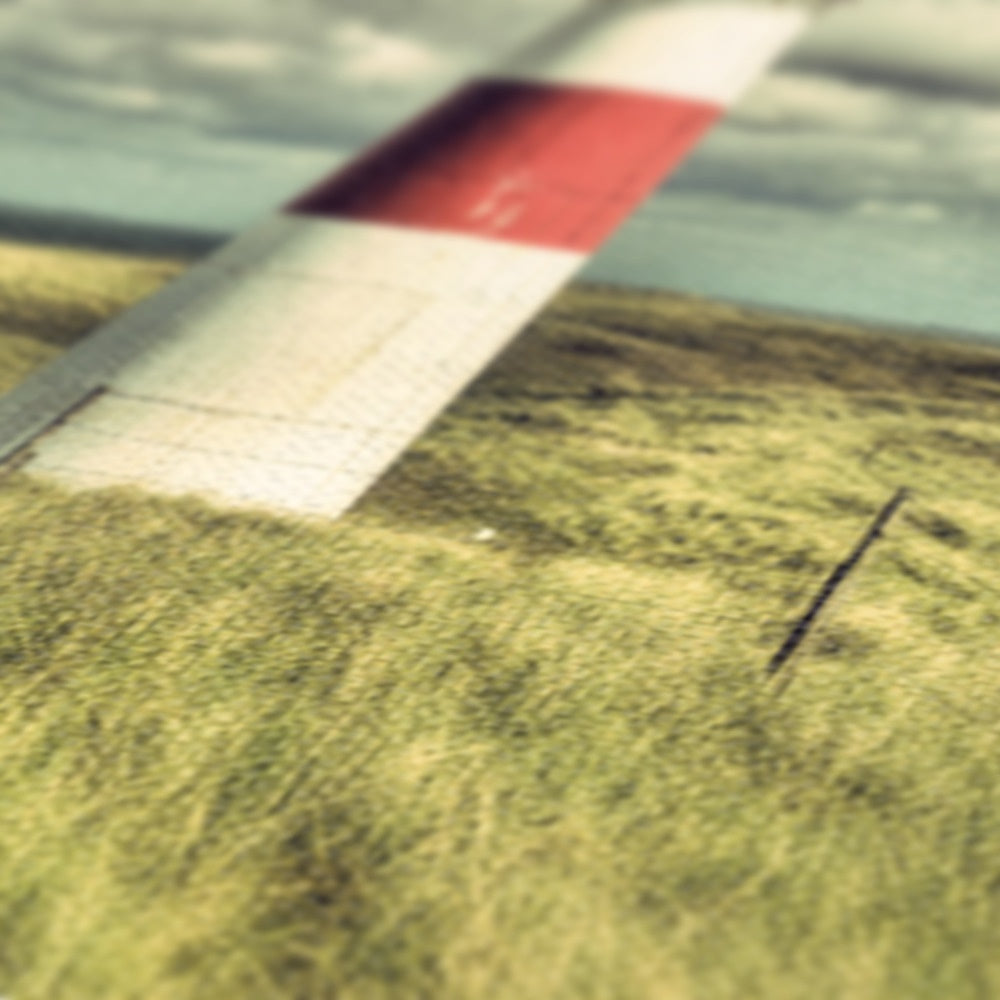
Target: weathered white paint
{"x": 708, "y": 51}
{"x": 291, "y": 368}
{"x": 315, "y": 351}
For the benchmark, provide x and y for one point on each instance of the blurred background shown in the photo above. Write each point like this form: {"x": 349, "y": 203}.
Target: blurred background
{"x": 860, "y": 178}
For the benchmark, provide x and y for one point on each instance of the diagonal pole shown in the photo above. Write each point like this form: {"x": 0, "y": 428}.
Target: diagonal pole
{"x": 801, "y": 628}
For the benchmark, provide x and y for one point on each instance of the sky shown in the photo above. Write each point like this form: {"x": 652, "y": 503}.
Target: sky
{"x": 861, "y": 177}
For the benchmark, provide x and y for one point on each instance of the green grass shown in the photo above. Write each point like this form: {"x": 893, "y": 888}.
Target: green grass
{"x": 402, "y": 756}
{"x": 49, "y": 296}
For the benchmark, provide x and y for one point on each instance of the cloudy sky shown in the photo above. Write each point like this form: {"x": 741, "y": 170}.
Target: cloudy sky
{"x": 861, "y": 177}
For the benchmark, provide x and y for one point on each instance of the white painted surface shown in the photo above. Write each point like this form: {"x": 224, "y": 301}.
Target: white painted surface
{"x": 696, "y": 49}
{"x": 291, "y": 368}
{"x": 313, "y": 352}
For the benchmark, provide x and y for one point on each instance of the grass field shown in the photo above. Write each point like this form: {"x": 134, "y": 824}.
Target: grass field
{"x": 502, "y": 731}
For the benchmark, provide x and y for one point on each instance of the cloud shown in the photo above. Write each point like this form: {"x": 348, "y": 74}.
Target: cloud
{"x": 880, "y": 106}
{"x": 846, "y": 144}
{"x": 906, "y": 211}
{"x": 369, "y": 56}
{"x": 302, "y": 77}
{"x": 792, "y": 100}
{"x": 946, "y": 48}
{"x": 119, "y": 96}
{"x": 488, "y": 28}
{"x": 239, "y": 55}
{"x": 879, "y": 112}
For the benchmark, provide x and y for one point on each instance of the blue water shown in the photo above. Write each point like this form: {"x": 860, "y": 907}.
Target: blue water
{"x": 942, "y": 275}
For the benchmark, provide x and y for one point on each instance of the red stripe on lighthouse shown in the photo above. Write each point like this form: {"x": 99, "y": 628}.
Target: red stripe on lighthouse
{"x": 548, "y": 165}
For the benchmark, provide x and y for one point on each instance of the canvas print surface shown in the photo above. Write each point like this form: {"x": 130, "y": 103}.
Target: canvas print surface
{"x": 415, "y": 590}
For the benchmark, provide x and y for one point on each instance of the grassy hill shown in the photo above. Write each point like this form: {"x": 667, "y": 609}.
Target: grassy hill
{"x": 503, "y": 731}
{"x": 51, "y": 296}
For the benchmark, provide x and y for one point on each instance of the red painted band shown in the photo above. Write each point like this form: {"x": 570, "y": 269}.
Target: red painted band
{"x": 542, "y": 164}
